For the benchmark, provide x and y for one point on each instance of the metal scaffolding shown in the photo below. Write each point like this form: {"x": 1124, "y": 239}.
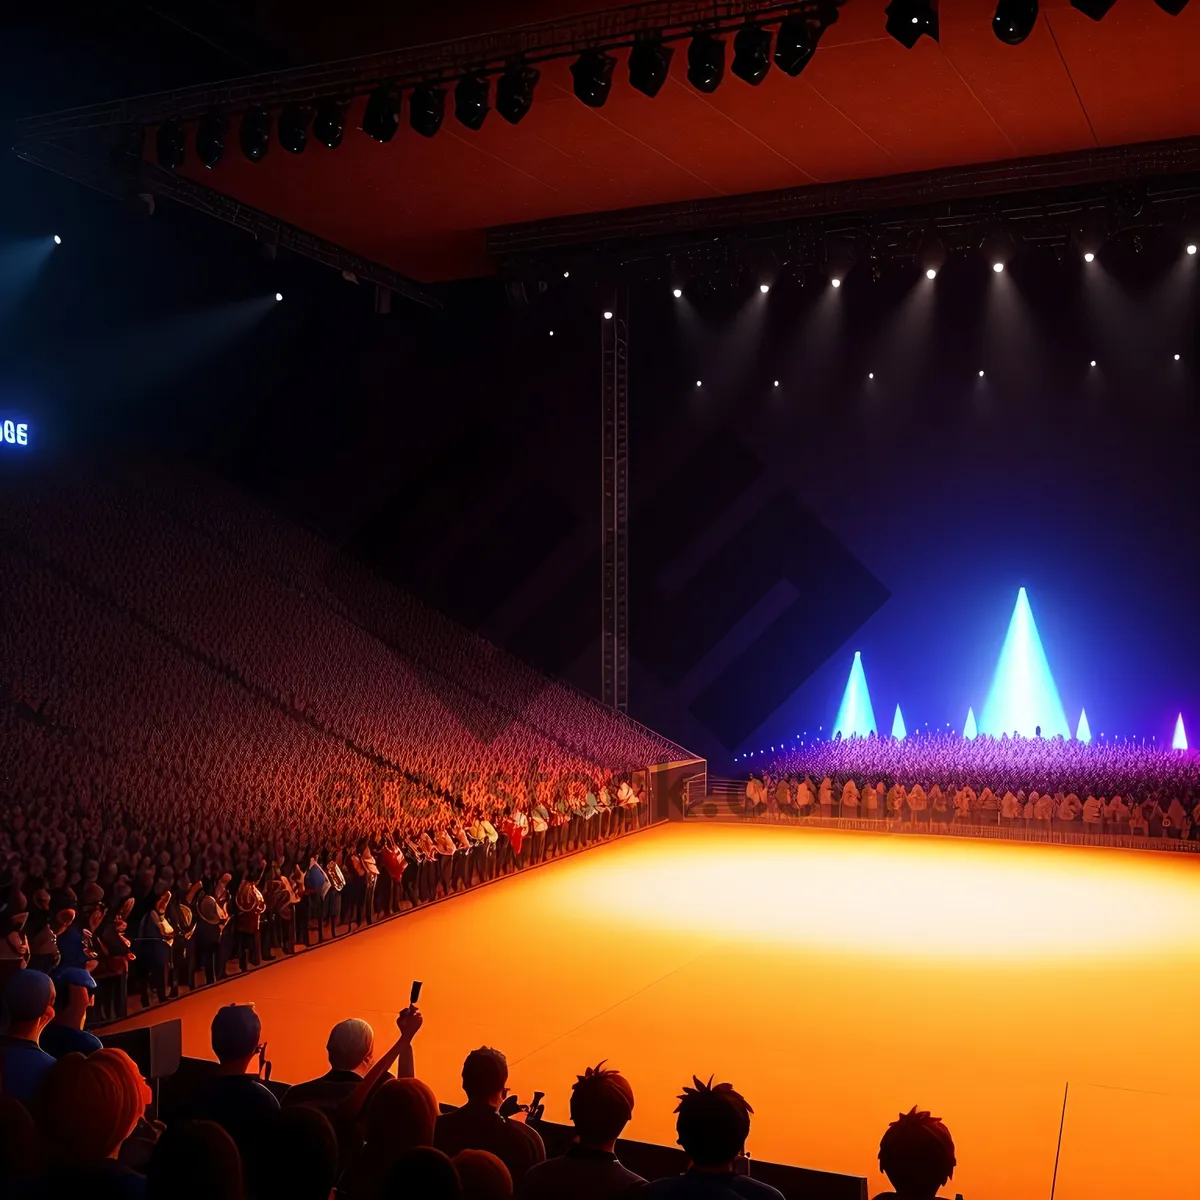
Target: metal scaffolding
{"x": 614, "y": 396}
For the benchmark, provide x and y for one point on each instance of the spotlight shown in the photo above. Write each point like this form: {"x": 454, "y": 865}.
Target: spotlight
{"x": 835, "y": 282}
{"x": 381, "y": 117}
{"x": 870, "y": 374}
{"x": 210, "y": 138}
{"x": 677, "y": 293}
{"x": 57, "y": 240}
{"x": 752, "y": 53}
{"x": 706, "y": 62}
{"x": 471, "y": 101}
{"x": 607, "y": 315}
{"x": 764, "y": 288}
{"x": 1177, "y": 358}
{"x": 699, "y": 383}
{"x": 1089, "y": 257}
{"x": 1014, "y": 20}
{"x": 980, "y": 374}
{"x": 1172, "y": 7}
{"x": 908, "y": 19}
{"x": 1191, "y": 247}
{"x": 592, "y": 72}
{"x": 255, "y": 134}
{"x": 930, "y": 273}
{"x": 552, "y": 333}
{"x": 329, "y": 124}
{"x": 649, "y": 64}
{"x": 566, "y": 274}
{"x": 426, "y": 108}
{"x": 278, "y": 296}
{"x": 1093, "y": 362}
{"x": 170, "y": 145}
{"x": 777, "y": 383}
{"x": 293, "y": 129}
{"x": 1096, "y": 9}
{"x": 997, "y": 267}
{"x": 794, "y": 44}
{"x": 514, "y": 92}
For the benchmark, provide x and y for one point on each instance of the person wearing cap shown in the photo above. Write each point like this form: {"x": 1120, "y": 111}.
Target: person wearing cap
{"x": 74, "y": 994}
{"x": 29, "y": 997}
{"x": 234, "y": 1098}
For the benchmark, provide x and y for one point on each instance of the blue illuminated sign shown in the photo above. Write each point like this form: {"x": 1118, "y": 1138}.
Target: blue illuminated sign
{"x": 14, "y": 433}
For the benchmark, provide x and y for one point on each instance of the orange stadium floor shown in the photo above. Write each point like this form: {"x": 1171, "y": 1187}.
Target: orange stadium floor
{"x": 834, "y": 978}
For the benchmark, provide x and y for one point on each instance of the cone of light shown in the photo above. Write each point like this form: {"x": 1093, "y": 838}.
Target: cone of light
{"x": 970, "y": 729}
{"x": 855, "y": 716}
{"x": 1179, "y": 741}
{"x": 1023, "y": 695}
{"x": 898, "y": 730}
{"x": 1083, "y": 732}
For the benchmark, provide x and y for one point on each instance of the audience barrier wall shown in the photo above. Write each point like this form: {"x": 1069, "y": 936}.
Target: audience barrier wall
{"x": 725, "y": 800}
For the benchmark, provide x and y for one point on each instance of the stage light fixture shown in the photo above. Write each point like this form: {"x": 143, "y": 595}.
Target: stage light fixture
{"x": 907, "y": 20}
{"x": 1179, "y": 741}
{"x": 210, "y": 138}
{"x": 764, "y": 288}
{"x": 752, "y": 53}
{"x": 592, "y": 74}
{"x": 777, "y": 383}
{"x": 1177, "y": 358}
{"x": 677, "y": 293}
{"x": 254, "y": 136}
{"x": 381, "y": 117}
{"x": 292, "y": 129}
{"x": 835, "y": 282}
{"x": 1014, "y": 20}
{"x": 514, "y": 92}
{"x": 1093, "y": 362}
{"x": 870, "y": 374}
{"x": 649, "y": 64}
{"x": 427, "y": 109}
{"x": 1096, "y": 9}
{"x": 1191, "y": 247}
{"x": 795, "y": 44}
{"x": 278, "y": 296}
{"x": 1089, "y": 257}
{"x": 471, "y": 101}
{"x": 170, "y": 145}
{"x": 998, "y": 267}
{"x": 699, "y": 383}
{"x": 706, "y": 62}
{"x": 1172, "y": 7}
{"x": 552, "y": 333}
{"x": 329, "y": 124}
{"x": 930, "y": 273}
{"x": 980, "y": 374}
{"x": 57, "y": 240}
{"x": 607, "y": 315}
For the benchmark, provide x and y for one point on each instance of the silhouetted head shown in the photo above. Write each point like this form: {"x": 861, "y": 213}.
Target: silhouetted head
{"x": 712, "y": 1123}
{"x": 917, "y": 1154}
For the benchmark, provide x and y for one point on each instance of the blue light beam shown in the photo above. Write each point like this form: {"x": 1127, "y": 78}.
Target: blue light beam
{"x": 970, "y": 729}
{"x": 1023, "y": 695}
{"x": 898, "y": 730}
{"x": 1083, "y": 732}
{"x": 855, "y": 716}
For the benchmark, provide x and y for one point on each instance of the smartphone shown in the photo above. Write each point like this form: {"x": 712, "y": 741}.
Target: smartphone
{"x": 415, "y": 994}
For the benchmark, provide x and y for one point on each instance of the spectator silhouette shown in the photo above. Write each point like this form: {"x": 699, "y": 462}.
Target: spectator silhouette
{"x": 29, "y": 998}
{"x": 421, "y": 1172}
{"x": 194, "y": 1160}
{"x": 478, "y": 1125}
{"x": 482, "y": 1176}
{"x": 712, "y": 1124}
{"x": 400, "y": 1117}
{"x": 18, "y": 1148}
{"x": 74, "y": 994}
{"x": 294, "y": 1154}
{"x": 916, "y": 1153}
{"x": 601, "y": 1105}
{"x": 234, "y": 1099}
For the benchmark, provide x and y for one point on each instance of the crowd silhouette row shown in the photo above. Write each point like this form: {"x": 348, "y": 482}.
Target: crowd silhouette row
{"x": 1113, "y": 789}
{"x": 74, "y": 1120}
{"x": 223, "y": 739}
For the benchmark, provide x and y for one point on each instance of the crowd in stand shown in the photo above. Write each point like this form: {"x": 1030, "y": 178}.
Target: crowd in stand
{"x": 73, "y": 1122}
{"x": 222, "y": 740}
{"x": 1118, "y": 789}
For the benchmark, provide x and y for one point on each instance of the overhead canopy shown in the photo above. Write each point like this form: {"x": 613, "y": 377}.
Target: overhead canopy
{"x": 864, "y": 107}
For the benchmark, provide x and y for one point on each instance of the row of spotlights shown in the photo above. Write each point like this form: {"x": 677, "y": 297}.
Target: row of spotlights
{"x": 1015, "y": 19}
{"x": 871, "y": 374}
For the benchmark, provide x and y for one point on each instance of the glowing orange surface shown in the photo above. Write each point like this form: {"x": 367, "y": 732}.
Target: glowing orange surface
{"x": 834, "y": 978}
